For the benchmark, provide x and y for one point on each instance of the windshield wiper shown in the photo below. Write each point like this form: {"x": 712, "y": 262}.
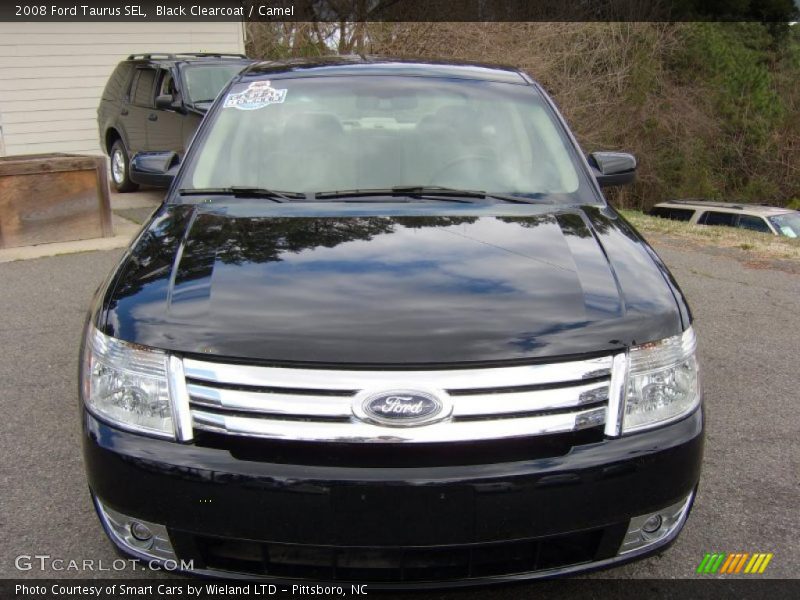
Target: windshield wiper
{"x": 244, "y": 192}
{"x": 396, "y": 191}
{"x": 435, "y": 191}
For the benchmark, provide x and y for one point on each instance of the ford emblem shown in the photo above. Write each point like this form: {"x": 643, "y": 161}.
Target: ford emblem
{"x": 402, "y": 408}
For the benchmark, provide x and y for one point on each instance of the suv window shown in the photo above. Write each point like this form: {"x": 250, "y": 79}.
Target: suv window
{"x": 676, "y": 214}
{"x": 718, "y": 218}
{"x": 753, "y": 223}
{"x": 142, "y": 93}
{"x": 166, "y": 86}
{"x": 118, "y": 82}
{"x": 787, "y": 224}
{"x": 203, "y": 82}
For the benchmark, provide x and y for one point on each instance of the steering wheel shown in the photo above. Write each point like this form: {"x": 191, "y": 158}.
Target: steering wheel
{"x": 442, "y": 173}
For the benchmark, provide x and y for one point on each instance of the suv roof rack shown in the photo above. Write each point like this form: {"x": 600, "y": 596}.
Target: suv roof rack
{"x": 175, "y": 56}
{"x": 711, "y": 203}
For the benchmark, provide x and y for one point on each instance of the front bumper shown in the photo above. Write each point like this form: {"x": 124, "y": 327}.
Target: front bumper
{"x": 414, "y": 527}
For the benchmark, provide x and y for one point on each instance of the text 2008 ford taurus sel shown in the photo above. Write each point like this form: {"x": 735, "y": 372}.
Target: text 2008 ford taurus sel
{"x": 385, "y": 328}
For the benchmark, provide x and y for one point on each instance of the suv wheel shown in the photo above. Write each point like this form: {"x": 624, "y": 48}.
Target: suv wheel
{"x": 120, "y": 168}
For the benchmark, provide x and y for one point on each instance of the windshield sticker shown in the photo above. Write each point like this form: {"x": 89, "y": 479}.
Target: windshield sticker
{"x": 788, "y": 232}
{"x": 257, "y": 95}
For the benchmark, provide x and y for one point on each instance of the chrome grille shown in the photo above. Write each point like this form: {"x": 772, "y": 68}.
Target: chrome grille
{"x": 316, "y": 405}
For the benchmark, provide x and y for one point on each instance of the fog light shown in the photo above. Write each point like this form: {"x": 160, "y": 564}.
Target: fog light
{"x": 141, "y": 531}
{"x": 652, "y": 524}
{"x": 141, "y": 538}
{"x": 656, "y": 528}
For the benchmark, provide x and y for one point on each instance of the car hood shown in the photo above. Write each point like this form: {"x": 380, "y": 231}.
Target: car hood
{"x": 405, "y": 290}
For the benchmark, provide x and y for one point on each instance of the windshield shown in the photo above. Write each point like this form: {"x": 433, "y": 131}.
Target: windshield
{"x": 788, "y": 224}
{"x": 203, "y": 82}
{"x": 323, "y": 134}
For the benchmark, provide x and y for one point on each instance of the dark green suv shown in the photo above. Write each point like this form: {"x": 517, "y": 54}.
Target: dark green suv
{"x": 155, "y": 102}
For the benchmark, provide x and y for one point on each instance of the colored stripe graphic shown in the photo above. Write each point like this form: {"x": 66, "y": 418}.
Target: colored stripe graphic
{"x": 764, "y": 564}
{"x": 701, "y": 568}
{"x": 732, "y": 559}
{"x": 724, "y": 563}
{"x": 711, "y": 562}
{"x": 758, "y": 563}
{"x": 714, "y": 567}
{"x": 734, "y": 562}
{"x": 740, "y": 564}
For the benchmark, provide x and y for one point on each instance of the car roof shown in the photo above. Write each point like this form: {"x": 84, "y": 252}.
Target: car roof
{"x": 188, "y": 57}
{"x": 376, "y": 65}
{"x": 761, "y": 209}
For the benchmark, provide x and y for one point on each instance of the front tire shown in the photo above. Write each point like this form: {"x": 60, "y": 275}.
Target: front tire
{"x": 120, "y": 168}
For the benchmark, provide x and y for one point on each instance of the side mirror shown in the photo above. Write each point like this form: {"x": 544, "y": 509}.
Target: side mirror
{"x": 155, "y": 168}
{"x": 167, "y": 102}
{"x": 613, "y": 168}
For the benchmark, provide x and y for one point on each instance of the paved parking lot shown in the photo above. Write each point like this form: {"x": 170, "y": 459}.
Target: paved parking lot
{"x": 747, "y": 317}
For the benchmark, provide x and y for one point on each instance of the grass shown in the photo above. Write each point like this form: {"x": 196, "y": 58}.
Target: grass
{"x": 759, "y": 244}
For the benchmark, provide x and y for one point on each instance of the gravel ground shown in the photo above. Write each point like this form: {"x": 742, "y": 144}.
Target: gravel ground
{"x": 747, "y": 319}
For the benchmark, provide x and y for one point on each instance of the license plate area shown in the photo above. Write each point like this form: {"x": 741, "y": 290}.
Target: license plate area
{"x": 403, "y": 515}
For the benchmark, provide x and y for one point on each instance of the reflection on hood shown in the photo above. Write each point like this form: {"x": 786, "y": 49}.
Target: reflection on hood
{"x": 379, "y": 289}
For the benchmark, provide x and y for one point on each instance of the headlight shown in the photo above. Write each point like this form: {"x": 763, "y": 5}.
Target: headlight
{"x": 662, "y": 383}
{"x": 127, "y": 385}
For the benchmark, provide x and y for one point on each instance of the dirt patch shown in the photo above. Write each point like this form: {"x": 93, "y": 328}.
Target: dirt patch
{"x": 775, "y": 265}
{"x": 748, "y": 258}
